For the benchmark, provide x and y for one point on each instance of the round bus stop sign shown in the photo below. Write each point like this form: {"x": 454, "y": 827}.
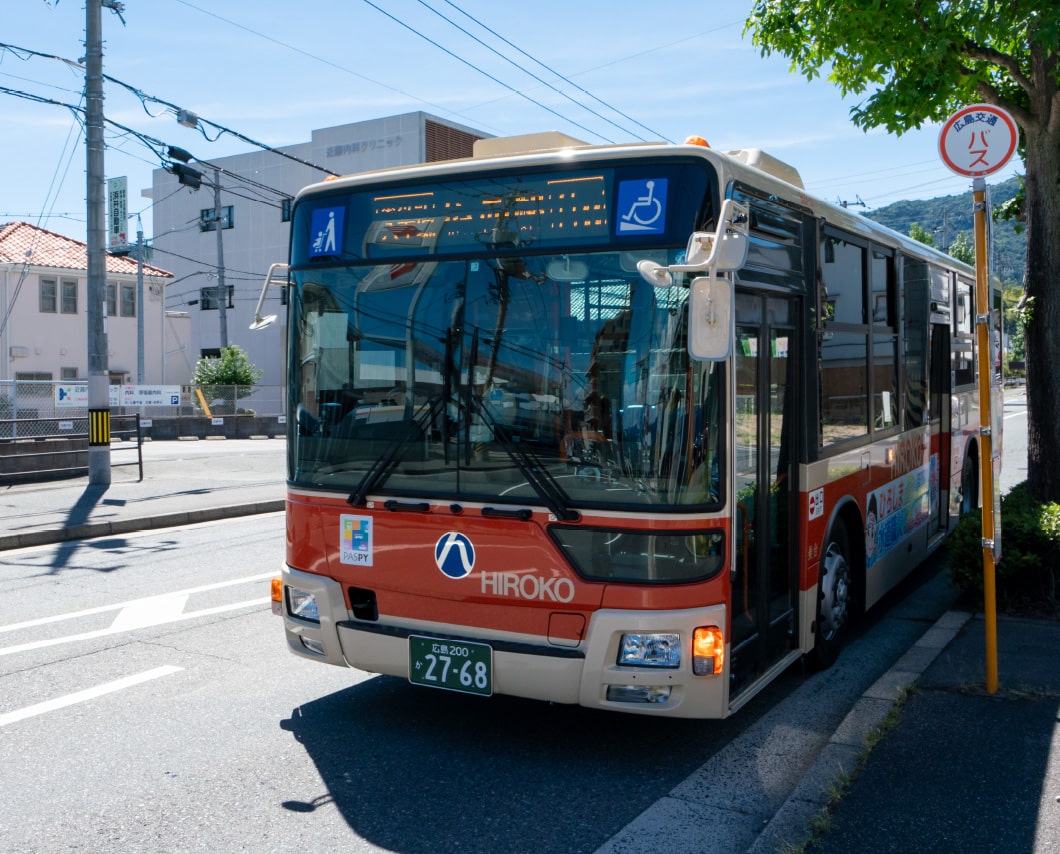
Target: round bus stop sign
{"x": 978, "y": 140}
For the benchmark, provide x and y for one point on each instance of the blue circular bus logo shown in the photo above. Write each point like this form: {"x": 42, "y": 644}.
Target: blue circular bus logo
{"x": 454, "y": 555}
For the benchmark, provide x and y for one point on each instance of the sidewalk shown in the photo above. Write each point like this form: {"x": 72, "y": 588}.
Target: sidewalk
{"x": 960, "y": 770}
{"x": 184, "y": 482}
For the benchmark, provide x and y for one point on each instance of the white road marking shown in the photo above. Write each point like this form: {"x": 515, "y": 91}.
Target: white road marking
{"x": 87, "y": 694}
{"x": 117, "y": 629}
{"x": 150, "y": 612}
{"x": 102, "y": 609}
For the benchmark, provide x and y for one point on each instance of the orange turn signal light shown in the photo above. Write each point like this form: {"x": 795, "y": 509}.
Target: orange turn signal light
{"x": 708, "y": 651}
{"x": 277, "y": 596}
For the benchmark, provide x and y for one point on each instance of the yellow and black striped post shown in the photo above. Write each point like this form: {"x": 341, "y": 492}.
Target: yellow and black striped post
{"x": 98, "y": 427}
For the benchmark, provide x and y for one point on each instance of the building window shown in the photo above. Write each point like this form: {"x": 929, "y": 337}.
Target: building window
{"x": 33, "y": 383}
{"x": 128, "y": 300}
{"x": 112, "y": 299}
{"x": 48, "y": 291}
{"x": 206, "y": 218}
{"x": 208, "y": 298}
{"x": 69, "y": 291}
{"x": 67, "y": 374}
{"x": 285, "y": 209}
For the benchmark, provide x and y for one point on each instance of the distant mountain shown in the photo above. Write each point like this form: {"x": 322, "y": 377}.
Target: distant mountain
{"x": 947, "y": 216}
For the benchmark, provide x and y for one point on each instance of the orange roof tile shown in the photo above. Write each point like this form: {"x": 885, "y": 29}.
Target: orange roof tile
{"x": 48, "y": 249}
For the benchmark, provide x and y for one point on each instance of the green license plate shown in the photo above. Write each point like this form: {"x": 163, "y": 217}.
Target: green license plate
{"x": 453, "y": 665}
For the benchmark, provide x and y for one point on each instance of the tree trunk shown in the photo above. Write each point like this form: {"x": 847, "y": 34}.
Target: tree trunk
{"x": 1043, "y": 332}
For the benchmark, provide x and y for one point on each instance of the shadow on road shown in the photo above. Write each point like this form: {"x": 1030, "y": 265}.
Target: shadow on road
{"x": 417, "y": 770}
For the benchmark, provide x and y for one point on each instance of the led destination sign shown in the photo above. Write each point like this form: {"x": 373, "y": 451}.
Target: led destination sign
{"x": 505, "y": 213}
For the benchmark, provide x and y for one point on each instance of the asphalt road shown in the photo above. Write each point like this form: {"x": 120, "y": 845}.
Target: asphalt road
{"x": 148, "y": 703}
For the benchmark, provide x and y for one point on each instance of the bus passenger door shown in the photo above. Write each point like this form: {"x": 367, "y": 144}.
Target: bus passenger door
{"x": 941, "y": 424}
{"x": 763, "y": 627}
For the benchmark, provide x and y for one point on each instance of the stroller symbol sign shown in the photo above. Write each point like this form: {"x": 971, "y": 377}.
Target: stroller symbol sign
{"x": 326, "y": 225}
{"x": 642, "y": 206}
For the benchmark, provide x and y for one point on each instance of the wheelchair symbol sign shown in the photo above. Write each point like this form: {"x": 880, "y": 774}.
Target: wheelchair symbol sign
{"x": 641, "y": 207}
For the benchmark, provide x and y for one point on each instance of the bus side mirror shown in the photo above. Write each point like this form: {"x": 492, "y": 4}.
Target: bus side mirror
{"x": 717, "y": 253}
{"x": 279, "y": 274}
{"x": 710, "y": 319}
{"x": 721, "y": 251}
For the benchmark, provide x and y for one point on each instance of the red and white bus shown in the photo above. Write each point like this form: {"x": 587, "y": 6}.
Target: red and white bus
{"x": 633, "y": 427}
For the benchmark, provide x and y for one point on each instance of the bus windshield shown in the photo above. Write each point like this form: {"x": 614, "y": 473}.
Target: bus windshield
{"x": 561, "y": 380}
{"x": 486, "y": 337}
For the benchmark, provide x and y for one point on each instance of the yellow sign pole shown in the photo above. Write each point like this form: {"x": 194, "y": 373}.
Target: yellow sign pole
{"x": 976, "y": 141}
{"x": 986, "y": 446}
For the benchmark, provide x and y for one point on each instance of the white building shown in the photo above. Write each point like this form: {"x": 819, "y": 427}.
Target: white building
{"x": 256, "y": 191}
{"x": 43, "y": 312}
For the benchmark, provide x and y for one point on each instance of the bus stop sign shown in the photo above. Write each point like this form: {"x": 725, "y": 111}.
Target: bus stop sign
{"x": 978, "y": 140}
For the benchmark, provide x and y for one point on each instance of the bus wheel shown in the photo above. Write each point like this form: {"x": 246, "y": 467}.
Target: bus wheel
{"x": 834, "y": 598}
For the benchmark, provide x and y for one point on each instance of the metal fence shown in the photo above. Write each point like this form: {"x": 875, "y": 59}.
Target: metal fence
{"x": 46, "y": 458}
{"x": 31, "y": 409}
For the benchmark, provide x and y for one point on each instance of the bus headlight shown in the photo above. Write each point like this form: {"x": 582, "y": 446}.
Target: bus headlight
{"x": 708, "y": 651}
{"x": 655, "y": 649}
{"x": 303, "y": 605}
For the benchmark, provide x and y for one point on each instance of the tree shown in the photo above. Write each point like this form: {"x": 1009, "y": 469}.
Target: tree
{"x": 229, "y": 377}
{"x": 919, "y": 61}
{"x": 963, "y": 249}
{"x": 918, "y": 232}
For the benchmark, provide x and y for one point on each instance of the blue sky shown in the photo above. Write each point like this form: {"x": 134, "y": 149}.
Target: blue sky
{"x": 274, "y": 71}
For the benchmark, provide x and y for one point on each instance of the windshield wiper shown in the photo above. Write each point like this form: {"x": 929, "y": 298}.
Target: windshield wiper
{"x": 406, "y": 431}
{"x": 536, "y": 474}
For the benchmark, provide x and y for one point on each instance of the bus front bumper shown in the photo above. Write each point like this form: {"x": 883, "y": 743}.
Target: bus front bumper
{"x": 588, "y": 675}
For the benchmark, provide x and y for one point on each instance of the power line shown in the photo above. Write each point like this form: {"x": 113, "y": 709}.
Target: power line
{"x": 484, "y": 73}
{"x": 190, "y": 118}
{"x": 512, "y": 62}
{"x": 159, "y": 147}
{"x": 439, "y": 108}
{"x": 550, "y": 70}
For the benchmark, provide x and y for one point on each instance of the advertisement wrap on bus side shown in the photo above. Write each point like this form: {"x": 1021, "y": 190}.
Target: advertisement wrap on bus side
{"x": 899, "y": 508}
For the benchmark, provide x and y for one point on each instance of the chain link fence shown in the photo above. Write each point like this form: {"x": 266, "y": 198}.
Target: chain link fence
{"x": 31, "y": 409}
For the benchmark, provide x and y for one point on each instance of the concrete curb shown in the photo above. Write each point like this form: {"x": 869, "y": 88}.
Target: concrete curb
{"x": 840, "y": 758}
{"x": 127, "y": 526}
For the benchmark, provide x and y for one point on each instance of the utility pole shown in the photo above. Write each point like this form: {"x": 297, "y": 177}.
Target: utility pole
{"x": 98, "y": 377}
{"x": 222, "y": 291}
{"x": 140, "y": 302}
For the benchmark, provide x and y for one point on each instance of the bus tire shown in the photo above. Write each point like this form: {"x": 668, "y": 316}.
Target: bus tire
{"x": 835, "y": 598}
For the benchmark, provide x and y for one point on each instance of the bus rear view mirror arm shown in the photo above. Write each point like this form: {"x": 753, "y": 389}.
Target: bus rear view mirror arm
{"x": 720, "y": 251}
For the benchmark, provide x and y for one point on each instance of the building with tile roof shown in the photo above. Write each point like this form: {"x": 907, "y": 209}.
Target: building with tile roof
{"x": 43, "y": 318}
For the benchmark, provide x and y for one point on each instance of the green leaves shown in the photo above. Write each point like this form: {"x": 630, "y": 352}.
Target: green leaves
{"x": 232, "y": 368}
{"x": 919, "y": 60}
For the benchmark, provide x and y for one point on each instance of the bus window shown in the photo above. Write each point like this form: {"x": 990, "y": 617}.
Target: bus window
{"x": 963, "y": 332}
{"x": 843, "y": 374}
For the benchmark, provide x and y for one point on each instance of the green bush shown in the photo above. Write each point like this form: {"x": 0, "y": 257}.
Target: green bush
{"x": 1028, "y": 574}
{"x": 225, "y": 379}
